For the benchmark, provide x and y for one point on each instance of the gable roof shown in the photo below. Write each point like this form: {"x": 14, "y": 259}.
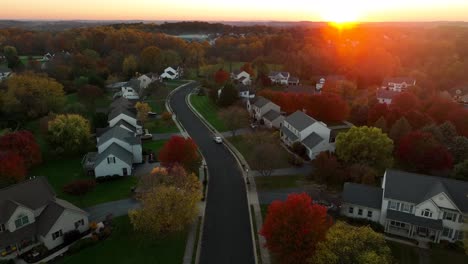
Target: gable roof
{"x": 120, "y": 110}
{"x": 261, "y": 101}
{"x": 312, "y": 140}
{"x": 389, "y": 80}
{"x": 116, "y": 150}
{"x": 271, "y": 115}
{"x": 51, "y": 214}
{"x": 275, "y": 74}
{"x": 417, "y": 188}
{"x": 33, "y": 194}
{"x": 300, "y": 121}
{"x": 360, "y": 194}
{"x": 386, "y": 94}
{"x": 118, "y": 133}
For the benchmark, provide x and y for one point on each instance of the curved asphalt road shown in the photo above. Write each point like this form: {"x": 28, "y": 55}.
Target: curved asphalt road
{"x": 226, "y": 232}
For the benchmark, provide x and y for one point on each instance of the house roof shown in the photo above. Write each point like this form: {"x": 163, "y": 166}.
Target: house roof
{"x": 312, "y": 140}
{"x": 415, "y": 220}
{"x": 133, "y": 83}
{"x": 293, "y": 79}
{"x": 271, "y": 115}
{"x": 122, "y": 103}
{"x": 389, "y": 80}
{"x": 116, "y": 150}
{"x": 275, "y": 73}
{"x": 302, "y": 89}
{"x": 261, "y": 101}
{"x": 33, "y": 194}
{"x": 51, "y": 214}
{"x": 118, "y": 133}
{"x": 417, "y": 188}
{"x": 360, "y": 194}
{"x": 244, "y": 88}
{"x": 289, "y": 134}
{"x": 386, "y": 94}
{"x": 114, "y": 112}
{"x": 300, "y": 121}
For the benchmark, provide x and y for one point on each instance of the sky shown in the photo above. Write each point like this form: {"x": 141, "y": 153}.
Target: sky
{"x": 238, "y": 10}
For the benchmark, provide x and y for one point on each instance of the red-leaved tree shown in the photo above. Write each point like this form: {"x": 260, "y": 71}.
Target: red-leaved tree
{"x": 293, "y": 228}
{"x": 247, "y": 67}
{"x": 12, "y": 168}
{"x": 405, "y": 102}
{"x": 421, "y": 152}
{"x": 179, "y": 150}
{"x": 376, "y": 112}
{"x": 221, "y": 76}
{"x": 24, "y": 144}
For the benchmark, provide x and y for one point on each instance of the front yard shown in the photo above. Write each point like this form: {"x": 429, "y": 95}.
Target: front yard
{"x": 405, "y": 254}
{"x": 127, "y": 246}
{"x": 208, "y": 110}
{"x": 159, "y": 126}
{"x": 279, "y": 182}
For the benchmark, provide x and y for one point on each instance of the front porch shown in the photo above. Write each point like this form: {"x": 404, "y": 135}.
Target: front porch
{"x": 14, "y": 250}
{"x": 413, "y": 227}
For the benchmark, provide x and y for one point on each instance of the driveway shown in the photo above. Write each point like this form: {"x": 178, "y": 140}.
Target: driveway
{"x": 99, "y": 212}
{"x": 227, "y": 235}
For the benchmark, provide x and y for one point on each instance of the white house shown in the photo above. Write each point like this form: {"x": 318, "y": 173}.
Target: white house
{"x": 316, "y": 136}
{"x": 129, "y": 93}
{"x": 4, "y": 73}
{"x": 30, "y": 214}
{"x": 415, "y": 206}
{"x": 283, "y": 78}
{"x": 172, "y": 73}
{"x": 147, "y": 79}
{"x": 386, "y": 96}
{"x": 273, "y": 119}
{"x": 114, "y": 160}
{"x": 124, "y": 138}
{"x": 260, "y": 106}
{"x": 119, "y": 114}
{"x": 242, "y": 77}
{"x": 393, "y": 86}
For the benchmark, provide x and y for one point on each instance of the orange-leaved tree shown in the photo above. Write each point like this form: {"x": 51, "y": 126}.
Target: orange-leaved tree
{"x": 179, "y": 150}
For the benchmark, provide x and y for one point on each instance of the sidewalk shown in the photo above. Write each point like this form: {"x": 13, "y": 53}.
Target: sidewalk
{"x": 164, "y": 136}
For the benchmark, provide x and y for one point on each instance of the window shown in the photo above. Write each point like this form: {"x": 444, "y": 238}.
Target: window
{"x": 445, "y": 232}
{"x": 426, "y": 213}
{"x": 369, "y": 214}
{"x": 393, "y": 205}
{"x": 110, "y": 160}
{"x": 460, "y": 235}
{"x": 397, "y": 224}
{"x": 406, "y": 208}
{"x": 359, "y": 211}
{"x": 450, "y": 216}
{"x": 21, "y": 221}
{"x": 79, "y": 223}
{"x": 57, "y": 234}
{"x": 351, "y": 210}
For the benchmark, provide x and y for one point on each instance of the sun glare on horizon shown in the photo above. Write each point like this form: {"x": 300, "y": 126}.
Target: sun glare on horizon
{"x": 340, "y": 12}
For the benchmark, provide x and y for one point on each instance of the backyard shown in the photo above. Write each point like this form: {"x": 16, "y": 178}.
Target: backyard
{"x": 127, "y": 246}
{"x": 208, "y": 110}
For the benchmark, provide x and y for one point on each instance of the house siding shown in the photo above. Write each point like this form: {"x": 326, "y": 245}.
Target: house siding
{"x": 134, "y": 149}
{"x": 105, "y": 169}
{"x": 20, "y": 210}
{"x": 66, "y": 223}
{"x": 365, "y": 210}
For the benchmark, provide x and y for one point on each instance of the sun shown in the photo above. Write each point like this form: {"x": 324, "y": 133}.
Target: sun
{"x": 340, "y": 12}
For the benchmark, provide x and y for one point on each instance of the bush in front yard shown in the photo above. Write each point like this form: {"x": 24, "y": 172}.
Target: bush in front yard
{"x": 299, "y": 149}
{"x": 71, "y": 236}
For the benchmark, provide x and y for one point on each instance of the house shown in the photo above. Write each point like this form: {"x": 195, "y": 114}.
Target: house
{"x": 273, "y": 119}
{"x": 398, "y": 84}
{"x": 122, "y": 111}
{"x": 115, "y": 87}
{"x": 245, "y": 91}
{"x": 147, "y": 79}
{"x": 5, "y": 72}
{"x": 415, "y": 206}
{"x": 293, "y": 81}
{"x": 124, "y": 138}
{"x": 333, "y": 79}
{"x": 31, "y": 214}
{"x": 172, "y": 73}
{"x": 260, "y": 106}
{"x": 242, "y": 77}
{"x": 314, "y": 135}
{"x": 279, "y": 77}
{"x": 386, "y": 96}
{"x": 114, "y": 160}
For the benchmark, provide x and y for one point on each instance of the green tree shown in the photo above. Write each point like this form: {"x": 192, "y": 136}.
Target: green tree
{"x": 69, "y": 133}
{"x": 228, "y": 96}
{"x": 365, "y": 145}
{"x": 346, "y": 244}
{"x": 31, "y": 95}
{"x": 234, "y": 118}
{"x": 461, "y": 170}
{"x": 400, "y": 129}
{"x": 12, "y": 56}
{"x": 169, "y": 58}
{"x": 130, "y": 65}
{"x": 459, "y": 149}
{"x": 150, "y": 59}
{"x": 382, "y": 124}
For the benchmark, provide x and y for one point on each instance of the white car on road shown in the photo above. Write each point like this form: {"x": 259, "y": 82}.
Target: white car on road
{"x": 218, "y": 139}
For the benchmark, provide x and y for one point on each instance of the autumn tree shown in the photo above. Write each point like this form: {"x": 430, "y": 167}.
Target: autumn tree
{"x": 247, "y": 67}
{"x": 421, "y": 152}
{"x": 79, "y": 187}
{"x": 179, "y": 150}
{"x": 12, "y": 168}
{"x": 32, "y": 95}
{"x": 346, "y": 244}
{"x": 142, "y": 111}
{"x": 405, "y": 101}
{"x": 361, "y": 173}
{"x": 265, "y": 157}
{"x": 221, "y": 76}
{"x": 365, "y": 145}
{"x": 228, "y": 96}
{"x": 150, "y": 59}
{"x": 88, "y": 94}
{"x": 130, "y": 65}
{"x": 24, "y": 144}
{"x": 318, "y": 106}
{"x": 459, "y": 149}
{"x": 382, "y": 124}
{"x": 460, "y": 171}
{"x": 400, "y": 129}
{"x": 11, "y": 55}
{"x": 69, "y": 133}
{"x": 234, "y": 118}
{"x": 327, "y": 169}
{"x": 377, "y": 111}
{"x": 293, "y": 228}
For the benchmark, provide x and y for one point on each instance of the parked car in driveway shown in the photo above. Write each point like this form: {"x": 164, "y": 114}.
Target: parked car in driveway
{"x": 147, "y": 135}
{"x": 218, "y": 139}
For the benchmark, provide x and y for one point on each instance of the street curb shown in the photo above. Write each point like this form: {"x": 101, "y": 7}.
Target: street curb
{"x": 174, "y": 116}
{"x": 265, "y": 256}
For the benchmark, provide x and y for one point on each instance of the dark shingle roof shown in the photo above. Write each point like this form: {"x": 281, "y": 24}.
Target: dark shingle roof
{"x": 7, "y": 207}
{"x": 118, "y": 133}
{"x": 116, "y": 150}
{"x": 120, "y": 110}
{"x": 360, "y": 194}
{"x": 300, "y": 121}
{"x": 417, "y": 188}
{"x": 386, "y": 94}
{"x": 415, "y": 220}
{"x": 243, "y": 88}
{"x": 271, "y": 115}
{"x": 51, "y": 214}
{"x": 261, "y": 101}
{"x": 289, "y": 133}
{"x": 312, "y": 140}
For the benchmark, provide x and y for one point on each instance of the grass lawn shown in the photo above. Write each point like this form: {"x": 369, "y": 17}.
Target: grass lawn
{"x": 126, "y": 246}
{"x": 245, "y": 148}
{"x": 278, "y": 182}
{"x": 208, "y": 110}
{"x": 154, "y": 145}
{"x": 405, "y": 254}
{"x": 158, "y": 106}
{"x": 159, "y": 126}
{"x": 103, "y": 101}
{"x": 232, "y": 66}
{"x": 62, "y": 171}
{"x": 172, "y": 84}
{"x": 34, "y": 127}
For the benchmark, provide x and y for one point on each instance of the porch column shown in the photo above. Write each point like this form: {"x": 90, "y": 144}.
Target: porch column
{"x": 411, "y": 231}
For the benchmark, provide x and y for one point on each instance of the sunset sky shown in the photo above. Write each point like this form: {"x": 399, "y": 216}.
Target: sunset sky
{"x": 283, "y": 10}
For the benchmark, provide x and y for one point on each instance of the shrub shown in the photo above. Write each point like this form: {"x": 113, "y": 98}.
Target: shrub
{"x": 79, "y": 187}
{"x": 363, "y": 222}
{"x": 299, "y": 149}
{"x": 166, "y": 116}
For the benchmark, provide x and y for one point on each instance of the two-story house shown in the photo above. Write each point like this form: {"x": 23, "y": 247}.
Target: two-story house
{"x": 259, "y": 106}
{"x": 172, "y": 73}
{"x": 284, "y": 78}
{"x": 416, "y": 206}
{"x": 393, "y": 86}
{"x": 316, "y": 136}
{"x": 31, "y": 214}
{"x": 120, "y": 113}
{"x": 147, "y": 79}
{"x": 242, "y": 77}
{"x": 4, "y": 73}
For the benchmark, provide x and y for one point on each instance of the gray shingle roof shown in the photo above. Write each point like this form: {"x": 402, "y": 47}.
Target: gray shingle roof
{"x": 271, "y": 115}
{"x": 119, "y": 133}
{"x": 261, "y": 101}
{"x": 360, "y": 194}
{"x": 116, "y": 150}
{"x": 416, "y": 220}
{"x": 300, "y": 121}
{"x": 386, "y": 94}
{"x": 417, "y": 188}
{"x": 312, "y": 140}
{"x": 243, "y": 88}
{"x": 51, "y": 214}
{"x": 7, "y": 207}
{"x": 120, "y": 110}
{"x": 275, "y": 73}
{"x": 127, "y": 125}
{"x": 288, "y": 133}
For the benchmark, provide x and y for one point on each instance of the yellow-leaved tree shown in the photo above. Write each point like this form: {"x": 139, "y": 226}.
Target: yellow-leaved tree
{"x": 142, "y": 111}
{"x": 69, "y": 133}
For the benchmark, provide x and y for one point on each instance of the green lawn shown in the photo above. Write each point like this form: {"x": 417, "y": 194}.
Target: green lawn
{"x": 245, "y": 148}
{"x": 405, "y": 254}
{"x": 278, "y": 182}
{"x": 62, "y": 171}
{"x": 160, "y": 126}
{"x": 208, "y": 110}
{"x": 34, "y": 127}
{"x": 154, "y": 145}
{"x": 126, "y": 246}
{"x": 158, "y": 106}
{"x": 172, "y": 84}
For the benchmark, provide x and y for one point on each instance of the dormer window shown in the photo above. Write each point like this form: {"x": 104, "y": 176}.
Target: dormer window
{"x": 426, "y": 213}
{"x": 22, "y": 220}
